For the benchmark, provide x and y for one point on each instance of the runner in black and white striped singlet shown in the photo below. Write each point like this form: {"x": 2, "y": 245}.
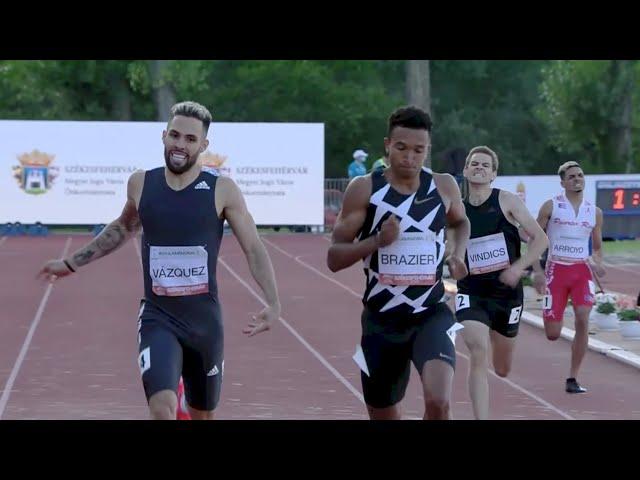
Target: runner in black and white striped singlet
{"x": 398, "y": 216}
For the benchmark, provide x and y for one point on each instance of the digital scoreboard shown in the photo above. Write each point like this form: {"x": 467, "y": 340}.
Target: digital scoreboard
{"x": 620, "y": 204}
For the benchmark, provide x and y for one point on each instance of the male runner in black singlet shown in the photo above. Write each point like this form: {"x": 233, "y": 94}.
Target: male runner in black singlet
{"x": 181, "y": 208}
{"x": 490, "y": 299}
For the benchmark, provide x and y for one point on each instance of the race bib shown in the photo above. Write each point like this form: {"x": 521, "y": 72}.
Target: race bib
{"x": 487, "y": 254}
{"x": 410, "y": 260}
{"x": 179, "y": 271}
{"x": 462, "y": 301}
{"x": 570, "y": 249}
{"x": 516, "y": 313}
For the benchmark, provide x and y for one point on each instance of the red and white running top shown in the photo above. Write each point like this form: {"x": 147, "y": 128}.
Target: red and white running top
{"x": 569, "y": 233}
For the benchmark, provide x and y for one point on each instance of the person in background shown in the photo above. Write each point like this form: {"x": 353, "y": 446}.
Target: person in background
{"x": 381, "y": 163}
{"x": 570, "y": 221}
{"x": 357, "y": 168}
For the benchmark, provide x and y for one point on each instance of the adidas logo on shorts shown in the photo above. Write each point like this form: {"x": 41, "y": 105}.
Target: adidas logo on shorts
{"x": 214, "y": 371}
{"x": 202, "y": 186}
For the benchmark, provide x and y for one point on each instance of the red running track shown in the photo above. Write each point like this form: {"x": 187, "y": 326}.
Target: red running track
{"x": 80, "y": 360}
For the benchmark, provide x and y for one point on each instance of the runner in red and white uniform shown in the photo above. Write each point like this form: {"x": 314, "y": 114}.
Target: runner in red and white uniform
{"x": 570, "y": 221}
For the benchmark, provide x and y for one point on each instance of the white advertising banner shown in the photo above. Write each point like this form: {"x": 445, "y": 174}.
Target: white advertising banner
{"x": 60, "y": 172}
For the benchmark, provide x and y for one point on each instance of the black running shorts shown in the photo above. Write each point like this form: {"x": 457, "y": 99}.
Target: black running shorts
{"x": 391, "y": 342}
{"x": 168, "y": 349}
{"x": 503, "y": 316}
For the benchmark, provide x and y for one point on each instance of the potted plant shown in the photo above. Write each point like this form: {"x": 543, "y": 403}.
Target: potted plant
{"x": 629, "y": 316}
{"x": 605, "y": 312}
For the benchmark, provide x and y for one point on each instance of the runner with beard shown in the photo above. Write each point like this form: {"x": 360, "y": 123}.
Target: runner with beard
{"x": 181, "y": 208}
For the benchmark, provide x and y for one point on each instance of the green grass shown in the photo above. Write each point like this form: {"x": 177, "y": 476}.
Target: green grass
{"x": 621, "y": 247}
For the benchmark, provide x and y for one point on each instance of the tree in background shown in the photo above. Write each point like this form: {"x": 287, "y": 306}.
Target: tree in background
{"x": 418, "y": 88}
{"x": 352, "y": 98}
{"x": 535, "y": 114}
{"x": 71, "y": 90}
{"x": 589, "y": 110}
{"x": 491, "y": 102}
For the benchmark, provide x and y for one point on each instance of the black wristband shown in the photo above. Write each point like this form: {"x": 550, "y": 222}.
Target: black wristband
{"x": 68, "y": 266}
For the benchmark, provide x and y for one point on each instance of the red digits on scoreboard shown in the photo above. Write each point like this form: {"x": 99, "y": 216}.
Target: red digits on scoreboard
{"x": 618, "y": 199}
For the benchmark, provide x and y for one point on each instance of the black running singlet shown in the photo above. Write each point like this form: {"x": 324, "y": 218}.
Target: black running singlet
{"x": 180, "y": 243}
{"x": 494, "y": 244}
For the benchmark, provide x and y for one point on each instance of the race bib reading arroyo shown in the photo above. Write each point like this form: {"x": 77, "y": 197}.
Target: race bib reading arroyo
{"x": 179, "y": 271}
{"x": 487, "y": 254}
{"x": 410, "y": 260}
{"x": 570, "y": 249}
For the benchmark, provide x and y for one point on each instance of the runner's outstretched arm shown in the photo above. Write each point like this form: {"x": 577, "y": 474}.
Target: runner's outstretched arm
{"x": 112, "y": 237}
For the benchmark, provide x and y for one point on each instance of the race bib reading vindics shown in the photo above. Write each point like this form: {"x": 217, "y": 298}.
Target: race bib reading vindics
{"x": 487, "y": 254}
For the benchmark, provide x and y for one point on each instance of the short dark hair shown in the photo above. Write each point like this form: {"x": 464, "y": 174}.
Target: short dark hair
{"x": 566, "y": 166}
{"x": 409, "y": 117}
{"x": 192, "y": 110}
{"x": 487, "y": 151}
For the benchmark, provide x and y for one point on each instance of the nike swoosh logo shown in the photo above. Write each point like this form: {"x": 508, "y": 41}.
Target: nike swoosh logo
{"x": 418, "y": 202}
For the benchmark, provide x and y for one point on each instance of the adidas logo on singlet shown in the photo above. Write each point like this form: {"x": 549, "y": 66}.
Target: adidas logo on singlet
{"x": 202, "y": 186}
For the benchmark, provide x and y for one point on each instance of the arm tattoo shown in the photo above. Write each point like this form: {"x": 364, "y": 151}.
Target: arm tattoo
{"x": 132, "y": 225}
{"x": 131, "y": 221}
{"x": 84, "y": 256}
{"x": 110, "y": 239}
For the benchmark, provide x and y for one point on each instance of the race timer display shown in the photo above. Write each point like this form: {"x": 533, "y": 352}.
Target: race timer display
{"x": 620, "y": 204}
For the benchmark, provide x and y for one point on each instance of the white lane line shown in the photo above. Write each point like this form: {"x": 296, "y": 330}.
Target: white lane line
{"x": 313, "y": 351}
{"x": 4, "y": 399}
{"x": 310, "y": 267}
{"x": 505, "y": 380}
